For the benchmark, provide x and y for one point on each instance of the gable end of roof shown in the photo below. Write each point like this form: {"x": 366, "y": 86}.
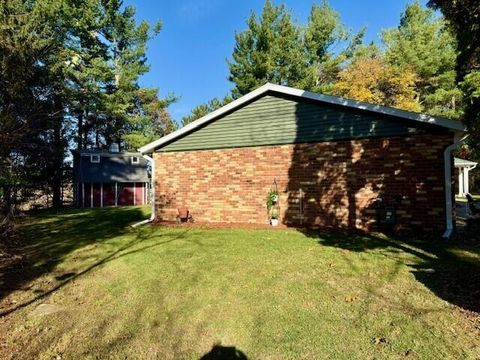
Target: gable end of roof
{"x": 297, "y": 93}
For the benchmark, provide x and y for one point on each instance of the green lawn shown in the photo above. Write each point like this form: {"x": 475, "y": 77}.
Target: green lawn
{"x": 173, "y": 293}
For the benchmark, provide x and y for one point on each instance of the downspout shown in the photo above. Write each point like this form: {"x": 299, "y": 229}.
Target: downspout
{"x": 152, "y": 216}
{"x": 447, "y": 159}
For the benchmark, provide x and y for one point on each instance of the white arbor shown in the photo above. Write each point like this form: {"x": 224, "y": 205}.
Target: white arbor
{"x": 464, "y": 167}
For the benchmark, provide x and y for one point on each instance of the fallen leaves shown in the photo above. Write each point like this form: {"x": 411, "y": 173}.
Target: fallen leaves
{"x": 351, "y": 298}
{"x": 379, "y": 340}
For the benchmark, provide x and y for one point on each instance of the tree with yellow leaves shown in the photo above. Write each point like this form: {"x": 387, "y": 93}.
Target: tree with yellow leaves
{"x": 372, "y": 80}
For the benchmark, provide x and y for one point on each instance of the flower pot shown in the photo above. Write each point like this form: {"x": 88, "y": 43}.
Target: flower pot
{"x": 274, "y": 222}
{"x": 183, "y": 213}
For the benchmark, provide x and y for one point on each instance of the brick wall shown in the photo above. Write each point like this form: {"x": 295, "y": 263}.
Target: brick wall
{"x": 339, "y": 180}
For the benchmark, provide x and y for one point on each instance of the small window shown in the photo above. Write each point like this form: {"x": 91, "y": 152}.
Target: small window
{"x": 135, "y": 160}
{"x": 95, "y": 158}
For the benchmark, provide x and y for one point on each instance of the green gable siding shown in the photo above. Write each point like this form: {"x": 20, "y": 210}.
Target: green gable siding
{"x": 274, "y": 120}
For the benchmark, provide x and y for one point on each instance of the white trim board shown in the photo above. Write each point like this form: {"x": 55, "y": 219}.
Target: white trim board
{"x": 422, "y": 118}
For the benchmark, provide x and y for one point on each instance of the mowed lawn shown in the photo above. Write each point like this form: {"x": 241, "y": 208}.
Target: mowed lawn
{"x": 94, "y": 288}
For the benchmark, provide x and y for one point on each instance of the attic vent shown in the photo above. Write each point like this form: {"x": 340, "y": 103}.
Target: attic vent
{"x": 114, "y": 148}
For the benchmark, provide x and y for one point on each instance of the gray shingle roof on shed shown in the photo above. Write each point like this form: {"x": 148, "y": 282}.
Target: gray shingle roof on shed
{"x": 113, "y": 167}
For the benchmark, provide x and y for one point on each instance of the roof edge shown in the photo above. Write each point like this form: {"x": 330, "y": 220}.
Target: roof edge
{"x": 419, "y": 117}
{"x": 460, "y": 161}
{"x": 104, "y": 152}
{"x": 197, "y": 123}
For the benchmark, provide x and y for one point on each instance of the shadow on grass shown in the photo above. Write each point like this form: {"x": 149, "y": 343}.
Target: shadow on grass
{"x": 219, "y": 352}
{"x": 450, "y": 270}
{"x": 49, "y": 240}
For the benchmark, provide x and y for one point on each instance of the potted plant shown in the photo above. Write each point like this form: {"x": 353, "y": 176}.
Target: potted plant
{"x": 272, "y": 199}
{"x": 274, "y": 218}
{"x": 183, "y": 213}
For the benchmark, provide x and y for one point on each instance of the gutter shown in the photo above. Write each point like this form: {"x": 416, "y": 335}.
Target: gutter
{"x": 152, "y": 216}
{"x": 447, "y": 157}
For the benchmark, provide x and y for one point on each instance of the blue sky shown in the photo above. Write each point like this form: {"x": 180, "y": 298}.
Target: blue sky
{"x": 188, "y": 57}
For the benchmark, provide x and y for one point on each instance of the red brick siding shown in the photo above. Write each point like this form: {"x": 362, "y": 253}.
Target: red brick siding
{"x": 340, "y": 181}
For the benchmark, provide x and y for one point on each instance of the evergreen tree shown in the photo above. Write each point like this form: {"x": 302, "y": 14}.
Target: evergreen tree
{"x": 69, "y": 70}
{"x": 148, "y": 120}
{"x": 275, "y": 49}
{"x": 87, "y": 67}
{"x": 108, "y": 57}
{"x": 204, "y": 109}
{"x": 422, "y": 43}
{"x": 463, "y": 17}
{"x": 268, "y": 51}
{"x": 323, "y": 33}
{"x": 31, "y": 106}
{"x": 125, "y": 99}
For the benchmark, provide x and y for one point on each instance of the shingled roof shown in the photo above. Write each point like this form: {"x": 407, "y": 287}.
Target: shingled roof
{"x": 113, "y": 167}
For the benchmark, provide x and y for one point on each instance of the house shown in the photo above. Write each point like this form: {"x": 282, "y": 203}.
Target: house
{"x": 335, "y": 163}
{"x": 464, "y": 167}
{"x": 110, "y": 178}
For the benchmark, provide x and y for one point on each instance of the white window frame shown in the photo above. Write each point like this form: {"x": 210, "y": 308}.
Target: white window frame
{"x": 137, "y": 161}
{"x": 95, "y": 159}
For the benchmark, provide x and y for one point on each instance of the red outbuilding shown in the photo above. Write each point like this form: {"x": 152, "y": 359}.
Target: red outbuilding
{"x": 110, "y": 178}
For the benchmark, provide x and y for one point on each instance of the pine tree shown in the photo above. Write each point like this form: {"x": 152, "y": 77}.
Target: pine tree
{"x": 204, "y": 109}
{"x": 422, "y": 43}
{"x": 107, "y": 56}
{"x": 148, "y": 120}
{"x": 268, "y": 51}
{"x": 31, "y": 106}
{"x": 275, "y": 49}
{"x": 463, "y": 17}
{"x": 323, "y": 33}
{"x": 69, "y": 70}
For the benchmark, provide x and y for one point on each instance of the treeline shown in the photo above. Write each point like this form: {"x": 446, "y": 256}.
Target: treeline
{"x": 70, "y": 69}
{"x": 418, "y": 65}
{"x": 69, "y": 74}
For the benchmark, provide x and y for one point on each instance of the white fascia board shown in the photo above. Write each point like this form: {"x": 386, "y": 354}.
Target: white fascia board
{"x": 443, "y": 122}
{"x": 423, "y": 118}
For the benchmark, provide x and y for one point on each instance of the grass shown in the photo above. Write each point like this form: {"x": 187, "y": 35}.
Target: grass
{"x": 173, "y": 293}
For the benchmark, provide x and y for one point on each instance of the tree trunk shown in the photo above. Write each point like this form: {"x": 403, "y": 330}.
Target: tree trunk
{"x": 80, "y": 132}
{"x": 6, "y": 200}
{"x": 97, "y": 138}
{"x": 58, "y": 154}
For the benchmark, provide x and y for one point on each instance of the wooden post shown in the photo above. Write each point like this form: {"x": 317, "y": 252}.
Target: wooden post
{"x": 101, "y": 195}
{"x": 91, "y": 195}
{"x": 116, "y": 194}
{"x": 83, "y": 194}
{"x": 134, "y": 192}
